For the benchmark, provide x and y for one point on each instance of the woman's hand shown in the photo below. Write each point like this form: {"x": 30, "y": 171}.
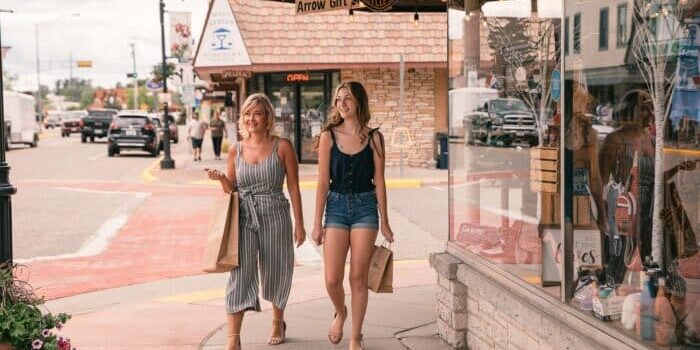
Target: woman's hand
{"x": 387, "y": 232}
{"x": 317, "y": 234}
{"x": 299, "y": 235}
{"x": 215, "y": 174}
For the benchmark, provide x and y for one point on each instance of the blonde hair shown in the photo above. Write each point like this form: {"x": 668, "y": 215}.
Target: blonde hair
{"x": 251, "y": 102}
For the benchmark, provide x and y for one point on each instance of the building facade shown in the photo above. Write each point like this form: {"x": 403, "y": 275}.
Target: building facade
{"x": 261, "y": 46}
{"x": 588, "y": 238}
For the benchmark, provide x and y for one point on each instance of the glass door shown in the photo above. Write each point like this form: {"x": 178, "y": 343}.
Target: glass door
{"x": 312, "y": 116}
{"x": 283, "y": 99}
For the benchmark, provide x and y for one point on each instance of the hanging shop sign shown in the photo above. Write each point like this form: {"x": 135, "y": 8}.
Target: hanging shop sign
{"x": 315, "y": 6}
{"x": 379, "y": 5}
{"x": 222, "y": 43}
{"x": 230, "y": 74}
{"x": 297, "y": 77}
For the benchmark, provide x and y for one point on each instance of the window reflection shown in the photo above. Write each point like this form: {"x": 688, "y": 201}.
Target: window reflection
{"x": 504, "y": 157}
{"x": 633, "y": 141}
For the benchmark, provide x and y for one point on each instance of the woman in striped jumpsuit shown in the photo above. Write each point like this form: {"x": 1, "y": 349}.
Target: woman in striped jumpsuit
{"x": 256, "y": 168}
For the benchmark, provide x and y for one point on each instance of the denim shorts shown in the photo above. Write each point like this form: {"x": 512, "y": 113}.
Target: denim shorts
{"x": 352, "y": 210}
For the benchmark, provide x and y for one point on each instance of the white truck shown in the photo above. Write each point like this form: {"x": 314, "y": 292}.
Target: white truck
{"x": 20, "y": 113}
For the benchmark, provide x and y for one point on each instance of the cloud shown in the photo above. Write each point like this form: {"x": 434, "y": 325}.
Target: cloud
{"x": 101, "y": 33}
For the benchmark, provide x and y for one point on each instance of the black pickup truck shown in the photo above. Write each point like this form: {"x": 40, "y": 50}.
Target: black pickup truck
{"x": 96, "y": 124}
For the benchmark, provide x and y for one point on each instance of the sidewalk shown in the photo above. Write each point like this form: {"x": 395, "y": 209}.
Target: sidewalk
{"x": 188, "y": 313}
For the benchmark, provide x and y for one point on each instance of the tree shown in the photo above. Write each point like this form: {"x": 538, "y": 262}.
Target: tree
{"x": 657, "y": 30}
{"x": 527, "y": 44}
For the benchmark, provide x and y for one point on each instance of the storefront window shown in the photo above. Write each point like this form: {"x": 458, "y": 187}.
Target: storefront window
{"x": 504, "y": 149}
{"x": 632, "y": 150}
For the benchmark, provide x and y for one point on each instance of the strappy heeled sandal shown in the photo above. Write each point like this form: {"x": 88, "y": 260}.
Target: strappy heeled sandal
{"x": 336, "y": 338}
{"x": 272, "y": 341}
{"x": 231, "y": 343}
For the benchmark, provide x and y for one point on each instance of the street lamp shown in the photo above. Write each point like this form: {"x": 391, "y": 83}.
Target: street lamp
{"x": 6, "y": 189}
{"x": 167, "y": 162}
{"x": 38, "y": 66}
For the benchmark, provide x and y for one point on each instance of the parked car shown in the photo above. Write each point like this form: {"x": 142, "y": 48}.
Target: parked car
{"x": 174, "y": 134}
{"x": 96, "y": 124}
{"x": 133, "y": 131}
{"x": 19, "y": 110}
{"x": 500, "y": 122}
{"x": 53, "y": 119}
{"x": 72, "y": 123}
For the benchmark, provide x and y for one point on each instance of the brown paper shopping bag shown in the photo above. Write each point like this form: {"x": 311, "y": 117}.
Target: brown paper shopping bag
{"x": 221, "y": 252}
{"x": 381, "y": 270}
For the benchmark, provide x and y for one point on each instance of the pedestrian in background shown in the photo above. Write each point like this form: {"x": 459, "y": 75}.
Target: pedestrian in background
{"x": 217, "y": 127}
{"x": 195, "y": 131}
{"x": 257, "y": 167}
{"x": 352, "y": 191}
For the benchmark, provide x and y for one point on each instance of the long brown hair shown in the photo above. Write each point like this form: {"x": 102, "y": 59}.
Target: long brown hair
{"x": 363, "y": 114}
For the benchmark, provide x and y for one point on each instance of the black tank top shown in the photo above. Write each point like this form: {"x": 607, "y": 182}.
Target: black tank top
{"x": 352, "y": 173}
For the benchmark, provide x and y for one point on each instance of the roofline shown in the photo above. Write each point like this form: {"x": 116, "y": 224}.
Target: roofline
{"x": 285, "y": 67}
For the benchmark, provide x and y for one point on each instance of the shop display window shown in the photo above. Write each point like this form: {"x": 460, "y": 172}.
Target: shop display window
{"x": 582, "y": 176}
{"x": 504, "y": 139}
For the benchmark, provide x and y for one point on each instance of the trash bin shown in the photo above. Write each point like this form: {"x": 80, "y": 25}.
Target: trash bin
{"x": 443, "y": 144}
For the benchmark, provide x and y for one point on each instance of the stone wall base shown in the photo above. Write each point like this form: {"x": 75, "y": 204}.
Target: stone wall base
{"x": 477, "y": 310}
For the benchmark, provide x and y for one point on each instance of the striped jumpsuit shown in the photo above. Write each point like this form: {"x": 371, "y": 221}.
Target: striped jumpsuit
{"x": 265, "y": 228}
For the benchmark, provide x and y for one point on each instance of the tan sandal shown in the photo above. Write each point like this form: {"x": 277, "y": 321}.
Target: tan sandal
{"x": 233, "y": 342}
{"x": 336, "y": 338}
{"x": 272, "y": 341}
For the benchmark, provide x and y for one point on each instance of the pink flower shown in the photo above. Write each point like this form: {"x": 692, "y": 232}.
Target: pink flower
{"x": 45, "y": 333}
{"x": 37, "y": 344}
{"x": 59, "y": 326}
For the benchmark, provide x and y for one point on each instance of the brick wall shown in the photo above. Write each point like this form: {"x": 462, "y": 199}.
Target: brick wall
{"x": 382, "y": 85}
{"x": 477, "y": 312}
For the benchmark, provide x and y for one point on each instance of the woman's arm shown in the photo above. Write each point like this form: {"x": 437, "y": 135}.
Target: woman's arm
{"x": 228, "y": 183}
{"x": 377, "y": 143}
{"x": 323, "y": 184}
{"x": 291, "y": 169}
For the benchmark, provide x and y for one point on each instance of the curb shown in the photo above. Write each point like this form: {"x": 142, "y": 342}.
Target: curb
{"x": 682, "y": 152}
{"x": 147, "y": 175}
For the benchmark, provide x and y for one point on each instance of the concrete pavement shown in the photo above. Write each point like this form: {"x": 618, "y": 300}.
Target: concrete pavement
{"x": 188, "y": 313}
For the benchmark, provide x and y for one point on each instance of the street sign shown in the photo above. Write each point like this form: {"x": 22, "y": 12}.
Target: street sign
{"x": 556, "y": 85}
{"x": 315, "y": 6}
{"x": 84, "y": 64}
{"x": 131, "y": 75}
{"x": 153, "y": 85}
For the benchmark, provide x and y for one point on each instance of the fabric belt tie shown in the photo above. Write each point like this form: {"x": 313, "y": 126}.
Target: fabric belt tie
{"x": 247, "y": 201}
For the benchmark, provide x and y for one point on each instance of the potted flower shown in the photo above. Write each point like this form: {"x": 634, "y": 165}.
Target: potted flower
{"x": 23, "y": 323}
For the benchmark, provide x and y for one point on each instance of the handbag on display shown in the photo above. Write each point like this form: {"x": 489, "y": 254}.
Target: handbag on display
{"x": 221, "y": 251}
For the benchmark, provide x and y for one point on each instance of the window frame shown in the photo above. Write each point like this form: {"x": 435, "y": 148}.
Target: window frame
{"x": 621, "y": 38}
{"x": 604, "y": 35}
{"x": 577, "y": 33}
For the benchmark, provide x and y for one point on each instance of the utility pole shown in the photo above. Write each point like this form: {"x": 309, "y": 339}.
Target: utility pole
{"x": 38, "y": 72}
{"x": 6, "y": 189}
{"x": 136, "y": 79}
{"x": 70, "y": 69}
{"x": 166, "y": 162}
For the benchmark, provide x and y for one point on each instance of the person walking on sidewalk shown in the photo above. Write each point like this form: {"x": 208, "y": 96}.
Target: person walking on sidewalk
{"x": 257, "y": 167}
{"x": 195, "y": 132}
{"x": 351, "y": 189}
{"x": 217, "y": 127}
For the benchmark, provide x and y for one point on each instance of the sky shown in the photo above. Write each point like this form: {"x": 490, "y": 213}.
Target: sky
{"x": 101, "y": 32}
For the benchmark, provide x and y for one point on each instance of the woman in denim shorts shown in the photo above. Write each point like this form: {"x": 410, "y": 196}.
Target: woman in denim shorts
{"x": 352, "y": 191}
